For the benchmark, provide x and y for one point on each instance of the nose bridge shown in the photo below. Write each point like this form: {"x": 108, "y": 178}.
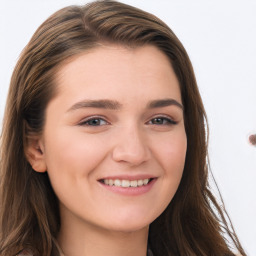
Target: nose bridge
{"x": 131, "y": 145}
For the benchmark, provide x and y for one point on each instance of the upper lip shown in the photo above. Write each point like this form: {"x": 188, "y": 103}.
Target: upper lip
{"x": 128, "y": 177}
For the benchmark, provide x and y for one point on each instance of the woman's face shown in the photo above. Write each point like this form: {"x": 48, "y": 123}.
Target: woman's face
{"x": 114, "y": 142}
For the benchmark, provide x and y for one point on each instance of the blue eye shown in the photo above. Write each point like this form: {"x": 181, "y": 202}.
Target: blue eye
{"x": 162, "y": 121}
{"x": 94, "y": 122}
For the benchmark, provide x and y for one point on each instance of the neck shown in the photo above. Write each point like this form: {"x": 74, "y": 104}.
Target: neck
{"x": 89, "y": 240}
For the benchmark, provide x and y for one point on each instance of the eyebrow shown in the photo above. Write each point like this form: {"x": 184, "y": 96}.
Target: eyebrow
{"x": 115, "y": 105}
{"x": 106, "y": 104}
{"x": 164, "y": 103}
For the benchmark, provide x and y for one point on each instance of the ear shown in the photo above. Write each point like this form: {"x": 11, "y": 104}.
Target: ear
{"x": 35, "y": 154}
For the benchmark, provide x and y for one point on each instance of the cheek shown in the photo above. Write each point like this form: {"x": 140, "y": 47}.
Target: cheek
{"x": 172, "y": 152}
{"x": 74, "y": 153}
{"x": 171, "y": 156}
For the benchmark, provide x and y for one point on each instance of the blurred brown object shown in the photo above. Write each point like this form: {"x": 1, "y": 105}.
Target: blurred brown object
{"x": 252, "y": 139}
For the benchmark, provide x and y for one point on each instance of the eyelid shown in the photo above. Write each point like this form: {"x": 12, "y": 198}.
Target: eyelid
{"x": 85, "y": 120}
{"x": 169, "y": 119}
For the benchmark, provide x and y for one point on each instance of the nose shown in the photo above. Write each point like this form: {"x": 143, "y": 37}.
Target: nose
{"x": 131, "y": 147}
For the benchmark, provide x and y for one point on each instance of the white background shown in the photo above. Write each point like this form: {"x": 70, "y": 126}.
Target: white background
{"x": 220, "y": 37}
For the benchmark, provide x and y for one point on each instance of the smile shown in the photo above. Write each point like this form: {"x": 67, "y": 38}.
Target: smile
{"x": 126, "y": 183}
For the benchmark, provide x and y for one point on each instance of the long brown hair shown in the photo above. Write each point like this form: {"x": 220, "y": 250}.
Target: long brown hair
{"x": 192, "y": 224}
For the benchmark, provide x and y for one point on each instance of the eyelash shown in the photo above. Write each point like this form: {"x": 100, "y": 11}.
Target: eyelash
{"x": 86, "y": 122}
{"x": 165, "y": 121}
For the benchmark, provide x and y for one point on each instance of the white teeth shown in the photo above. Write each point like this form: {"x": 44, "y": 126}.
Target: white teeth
{"x": 126, "y": 183}
{"x": 133, "y": 183}
{"x": 145, "y": 181}
{"x": 140, "y": 183}
{"x": 117, "y": 183}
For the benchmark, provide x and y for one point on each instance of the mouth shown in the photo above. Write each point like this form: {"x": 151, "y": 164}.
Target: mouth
{"x": 125, "y": 183}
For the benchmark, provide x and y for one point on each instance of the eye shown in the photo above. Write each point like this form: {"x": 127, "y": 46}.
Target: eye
{"x": 162, "y": 121}
{"x": 96, "y": 121}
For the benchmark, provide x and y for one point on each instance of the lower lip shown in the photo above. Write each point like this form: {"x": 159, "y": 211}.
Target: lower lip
{"x": 130, "y": 191}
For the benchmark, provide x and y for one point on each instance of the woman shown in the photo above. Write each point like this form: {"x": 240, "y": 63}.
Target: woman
{"x": 104, "y": 148}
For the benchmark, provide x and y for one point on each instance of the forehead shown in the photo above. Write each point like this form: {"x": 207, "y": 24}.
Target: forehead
{"x": 111, "y": 69}
{"x": 147, "y": 56}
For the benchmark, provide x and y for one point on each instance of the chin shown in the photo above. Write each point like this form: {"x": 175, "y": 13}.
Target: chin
{"x": 129, "y": 228}
{"x": 130, "y": 223}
